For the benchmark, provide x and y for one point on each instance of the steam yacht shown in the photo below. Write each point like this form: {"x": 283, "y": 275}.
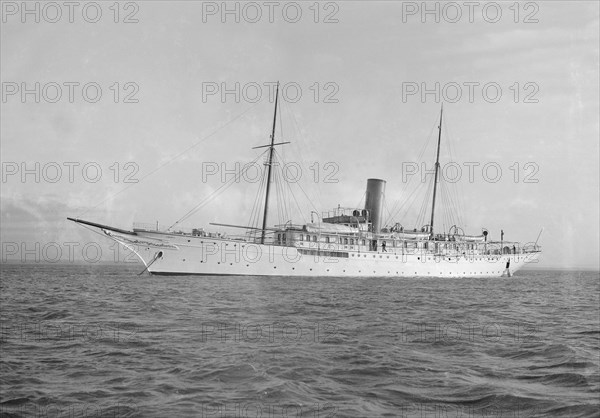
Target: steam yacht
{"x": 346, "y": 241}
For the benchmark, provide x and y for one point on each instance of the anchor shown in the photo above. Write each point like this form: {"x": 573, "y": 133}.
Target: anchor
{"x": 156, "y": 257}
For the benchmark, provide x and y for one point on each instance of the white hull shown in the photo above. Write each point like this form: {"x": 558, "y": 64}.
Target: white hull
{"x": 176, "y": 254}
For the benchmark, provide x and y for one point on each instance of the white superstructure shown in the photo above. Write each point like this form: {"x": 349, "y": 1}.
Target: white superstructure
{"x": 307, "y": 251}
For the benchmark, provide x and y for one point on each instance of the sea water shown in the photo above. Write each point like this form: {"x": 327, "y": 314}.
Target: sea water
{"x": 99, "y": 340}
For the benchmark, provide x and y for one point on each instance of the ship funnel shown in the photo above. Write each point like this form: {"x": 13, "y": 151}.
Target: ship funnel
{"x": 374, "y": 202}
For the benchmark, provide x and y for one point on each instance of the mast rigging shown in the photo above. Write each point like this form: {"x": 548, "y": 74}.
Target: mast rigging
{"x": 437, "y": 168}
{"x": 270, "y": 165}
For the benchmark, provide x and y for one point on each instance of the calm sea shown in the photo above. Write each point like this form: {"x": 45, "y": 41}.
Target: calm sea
{"x": 98, "y": 340}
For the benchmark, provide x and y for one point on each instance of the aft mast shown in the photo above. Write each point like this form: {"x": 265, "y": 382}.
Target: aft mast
{"x": 437, "y": 168}
{"x": 269, "y": 165}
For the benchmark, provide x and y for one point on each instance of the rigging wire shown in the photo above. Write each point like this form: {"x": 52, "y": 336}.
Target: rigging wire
{"x": 302, "y": 189}
{"x": 285, "y": 163}
{"x": 217, "y": 192}
{"x": 302, "y": 143}
{"x": 185, "y": 151}
{"x": 425, "y": 205}
{"x": 290, "y": 191}
{"x": 281, "y": 176}
{"x": 456, "y": 191}
{"x": 279, "y": 194}
{"x": 257, "y": 206}
{"x": 406, "y": 185}
{"x": 284, "y": 193}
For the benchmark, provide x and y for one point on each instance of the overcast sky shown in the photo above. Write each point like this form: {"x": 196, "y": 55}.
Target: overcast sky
{"x": 361, "y": 68}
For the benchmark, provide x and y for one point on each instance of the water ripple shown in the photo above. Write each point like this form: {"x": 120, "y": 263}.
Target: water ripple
{"x": 84, "y": 340}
